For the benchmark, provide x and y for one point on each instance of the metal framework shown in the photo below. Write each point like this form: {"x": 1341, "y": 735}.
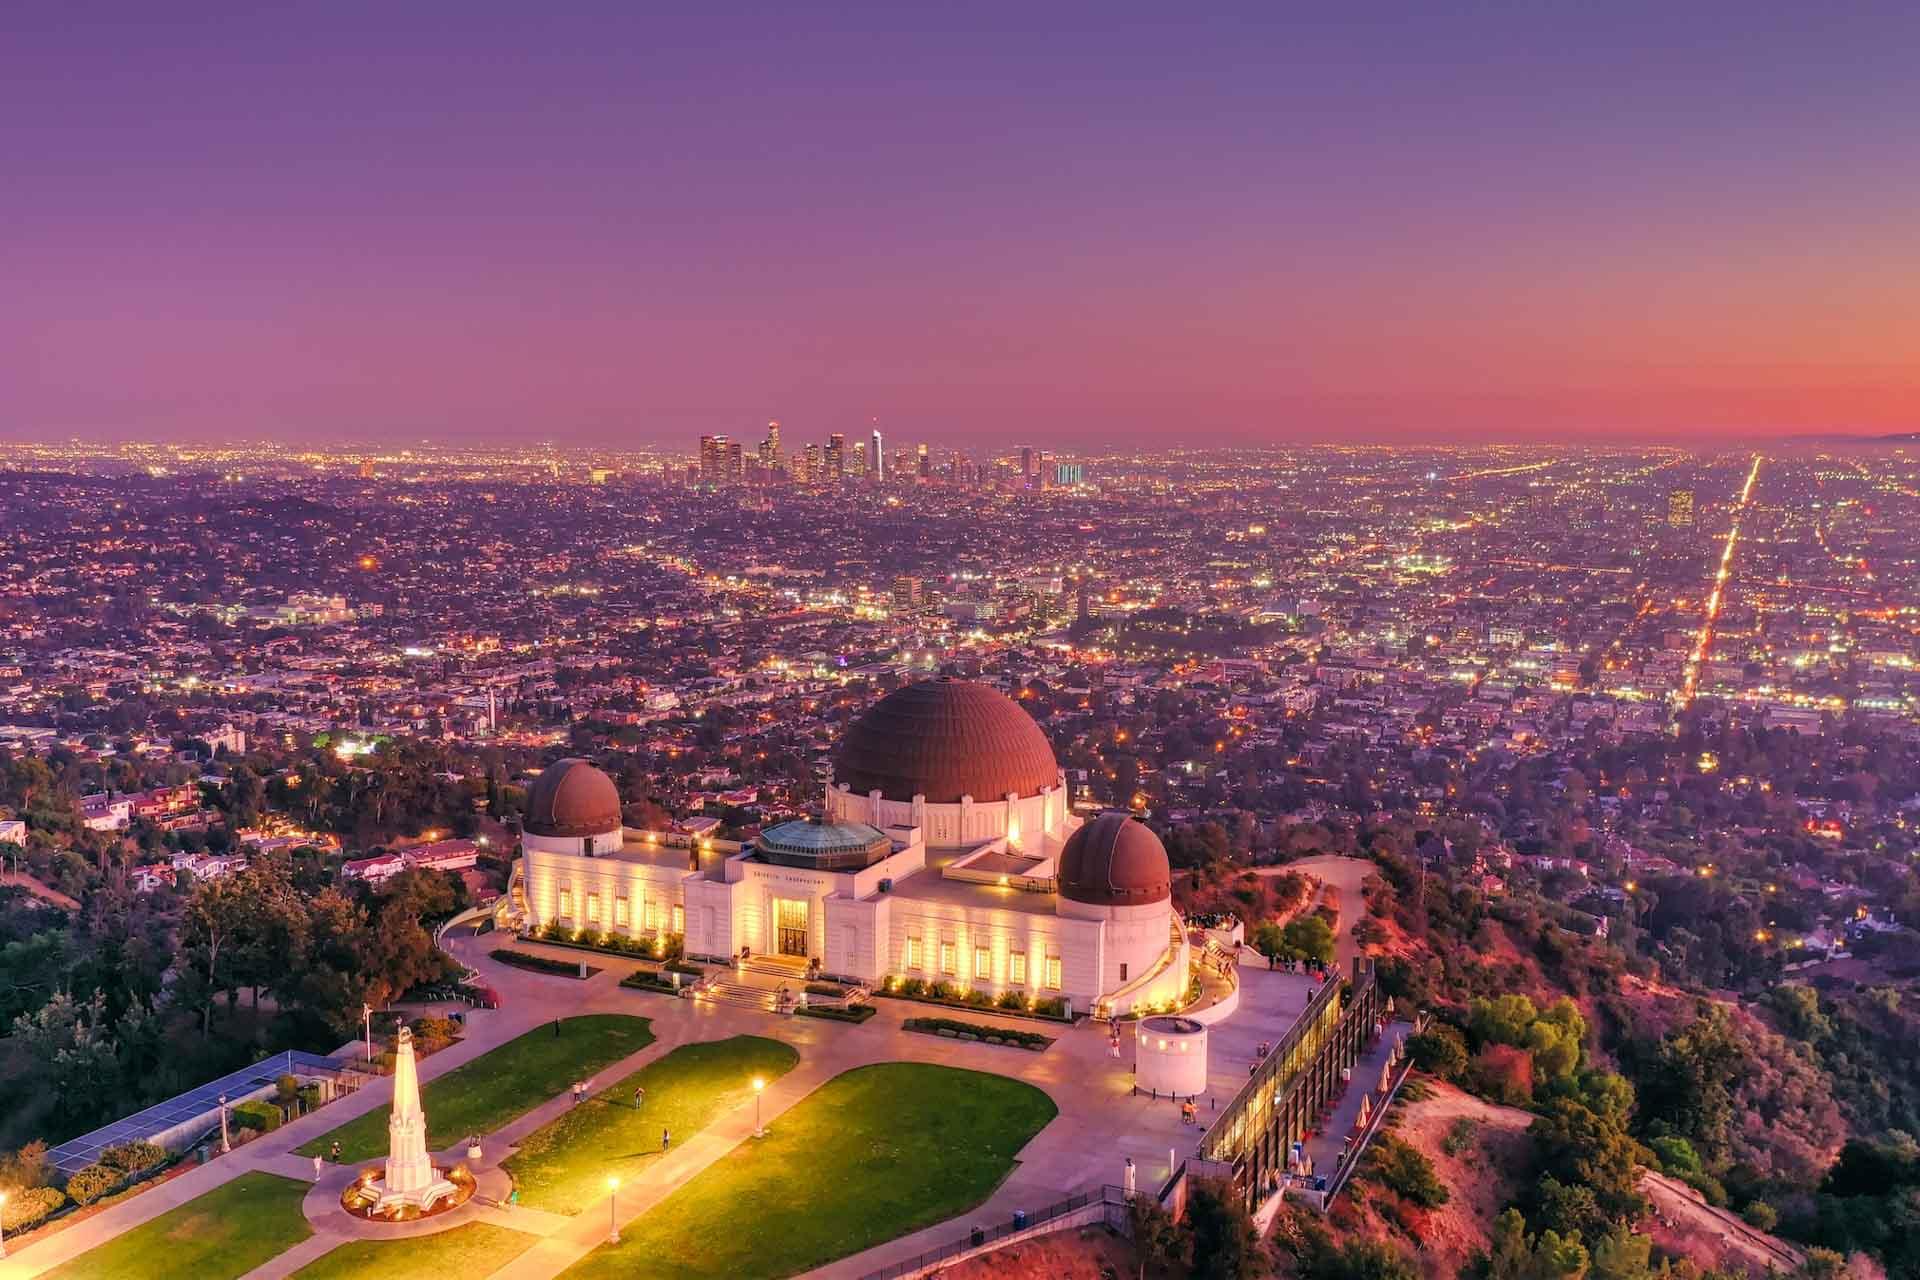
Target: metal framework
{"x": 1278, "y": 1104}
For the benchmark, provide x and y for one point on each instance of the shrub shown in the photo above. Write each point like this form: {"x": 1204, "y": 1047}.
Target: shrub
{"x": 1503, "y": 1073}
{"x": 132, "y": 1157}
{"x": 1405, "y": 1169}
{"x": 858, "y": 1013}
{"x": 263, "y": 1116}
{"x": 1053, "y": 1008}
{"x": 30, "y": 1207}
{"x": 912, "y": 987}
{"x": 1460, "y": 1136}
{"x": 1011, "y": 1000}
{"x": 27, "y": 1167}
{"x": 1440, "y": 1050}
{"x": 946, "y": 991}
{"x": 433, "y": 1033}
{"x": 682, "y": 966}
{"x": 92, "y": 1182}
{"x": 933, "y": 1026}
{"x": 537, "y": 964}
{"x": 288, "y": 1088}
{"x": 1759, "y": 1213}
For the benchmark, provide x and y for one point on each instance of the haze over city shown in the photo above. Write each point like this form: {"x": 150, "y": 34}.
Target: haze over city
{"x": 611, "y": 224}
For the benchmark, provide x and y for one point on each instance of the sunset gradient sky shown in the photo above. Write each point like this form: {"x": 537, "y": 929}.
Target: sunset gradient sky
{"x": 620, "y": 222}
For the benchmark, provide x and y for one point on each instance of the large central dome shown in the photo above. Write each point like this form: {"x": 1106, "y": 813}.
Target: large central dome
{"x": 572, "y": 799}
{"x": 944, "y": 739}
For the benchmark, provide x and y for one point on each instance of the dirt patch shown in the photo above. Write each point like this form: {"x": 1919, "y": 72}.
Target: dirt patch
{"x": 1685, "y": 1225}
{"x": 1481, "y": 1177}
{"x": 1084, "y": 1253}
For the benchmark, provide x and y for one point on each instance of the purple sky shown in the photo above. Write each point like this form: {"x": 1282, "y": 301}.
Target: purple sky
{"x": 614, "y": 222}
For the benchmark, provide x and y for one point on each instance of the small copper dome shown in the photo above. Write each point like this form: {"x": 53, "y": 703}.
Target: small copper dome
{"x": 1114, "y": 861}
{"x": 571, "y": 799}
{"x": 944, "y": 739}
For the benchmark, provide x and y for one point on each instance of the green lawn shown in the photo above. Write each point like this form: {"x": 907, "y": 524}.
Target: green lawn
{"x": 873, "y": 1154}
{"x": 564, "y": 1166}
{"x": 223, "y": 1234}
{"x": 499, "y": 1085}
{"x": 476, "y": 1249}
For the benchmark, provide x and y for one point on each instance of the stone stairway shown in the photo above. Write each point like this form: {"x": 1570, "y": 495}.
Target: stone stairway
{"x": 785, "y": 968}
{"x": 739, "y": 993}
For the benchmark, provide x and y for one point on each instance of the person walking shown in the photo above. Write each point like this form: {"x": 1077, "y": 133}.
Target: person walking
{"x": 639, "y": 1097}
{"x": 666, "y": 1140}
{"x": 333, "y": 1154}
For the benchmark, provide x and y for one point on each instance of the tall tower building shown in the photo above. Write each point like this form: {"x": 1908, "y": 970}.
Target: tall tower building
{"x": 715, "y": 454}
{"x": 858, "y": 466}
{"x": 1680, "y": 509}
{"x": 836, "y": 455}
{"x": 879, "y": 457}
{"x": 770, "y": 447}
{"x": 815, "y": 473}
{"x": 922, "y": 465}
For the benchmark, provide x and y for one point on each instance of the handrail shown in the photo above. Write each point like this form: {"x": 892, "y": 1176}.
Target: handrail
{"x": 1270, "y": 1067}
{"x": 979, "y": 1237}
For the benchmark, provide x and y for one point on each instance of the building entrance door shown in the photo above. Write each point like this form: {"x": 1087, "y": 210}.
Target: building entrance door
{"x": 790, "y": 926}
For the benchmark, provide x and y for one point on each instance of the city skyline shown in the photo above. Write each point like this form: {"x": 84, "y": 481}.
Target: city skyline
{"x": 609, "y": 227}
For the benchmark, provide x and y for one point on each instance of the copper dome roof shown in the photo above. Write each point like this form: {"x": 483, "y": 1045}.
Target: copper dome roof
{"x": 1114, "y": 861}
{"x": 945, "y": 739}
{"x": 571, "y": 799}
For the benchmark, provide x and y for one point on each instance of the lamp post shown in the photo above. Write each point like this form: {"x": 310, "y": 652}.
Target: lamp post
{"x": 613, "y": 1226}
{"x": 366, "y": 1012}
{"x": 759, "y": 1130}
{"x": 3, "y": 1224}
{"x": 225, "y": 1146}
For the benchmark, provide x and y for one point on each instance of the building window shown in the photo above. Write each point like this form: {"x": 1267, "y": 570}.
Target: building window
{"x": 566, "y": 902}
{"x": 1053, "y": 972}
{"x": 679, "y": 918}
{"x": 948, "y": 963}
{"x": 593, "y": 907}
{"x": 620, "y": 911}
{"x": 1017, "y": 968}
{"x": 982, "y": 962}
{"x": 650, "y": 913}
{"x": 913, "y": 952}
{"x": 1123, "y": 973}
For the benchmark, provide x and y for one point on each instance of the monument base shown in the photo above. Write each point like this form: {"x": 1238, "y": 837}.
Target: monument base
{"x": 367, "y": 1196}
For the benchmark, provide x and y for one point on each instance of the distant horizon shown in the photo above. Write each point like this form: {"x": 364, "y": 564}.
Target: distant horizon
{"x": 796, "y": 434}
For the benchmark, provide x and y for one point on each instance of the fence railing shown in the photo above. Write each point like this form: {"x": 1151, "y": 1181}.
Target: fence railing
{"x": 980, "y": 1237}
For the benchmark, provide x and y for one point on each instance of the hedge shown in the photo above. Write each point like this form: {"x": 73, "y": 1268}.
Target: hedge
{"x": 92, "y": 1182}
{"x": 29, "y": 1208}
{"x": 132, "y": 1157}
{"x": 540, "y": 964}
{"x": 671, "y": 945}
{"x": 263, "y": 1116}
{"x": 978, "y": 1031}
{"x": 858, "y": 1013}
{"x": 1053, "y": 1008}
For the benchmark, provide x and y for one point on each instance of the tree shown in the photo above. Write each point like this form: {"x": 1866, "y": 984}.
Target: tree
{"x": 1225, "y": 1244}
{"x": 1159, "y": 1242}
{"x": 1270, "y": 940}
{"x": 1310, "y": 938}
{"x": 1439, "y": 1050}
